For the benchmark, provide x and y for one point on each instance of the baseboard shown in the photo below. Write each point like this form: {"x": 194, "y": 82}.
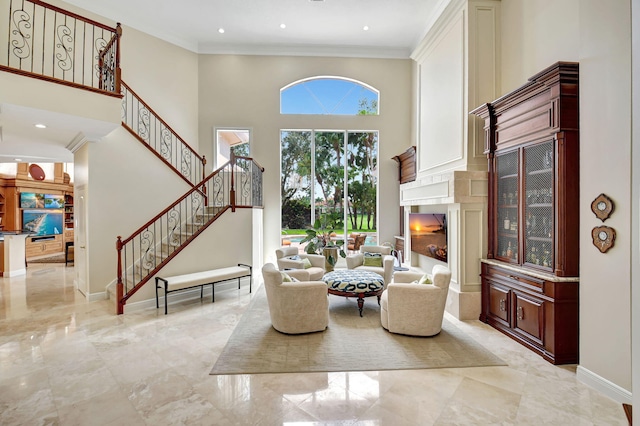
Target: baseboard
{"x": 92, "y": 297}
{"x": 185, "y": 295}
{"x": 603, "y": 385}
{"x": 15, "y": 273}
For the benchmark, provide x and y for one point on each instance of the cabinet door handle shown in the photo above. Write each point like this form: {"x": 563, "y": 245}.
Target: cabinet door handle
{"x": 503, "y": 304}
{"x": 520, "y": 312}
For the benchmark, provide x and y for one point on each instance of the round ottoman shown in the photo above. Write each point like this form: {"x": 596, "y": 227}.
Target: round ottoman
{"x": 354, "y": 283}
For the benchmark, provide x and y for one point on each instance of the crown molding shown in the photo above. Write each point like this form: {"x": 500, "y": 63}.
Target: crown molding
{"x": 77, "y": 142}
{"x": 306, "y": 50}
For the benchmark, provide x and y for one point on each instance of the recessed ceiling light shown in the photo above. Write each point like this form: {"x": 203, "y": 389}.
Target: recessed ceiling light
{"x": 221, "y": 30}
{"x": 283, "y": 26}
{"x": 18, "y": 159}
{"x": 366, "y": 28}
{"x": 41, "y": 126}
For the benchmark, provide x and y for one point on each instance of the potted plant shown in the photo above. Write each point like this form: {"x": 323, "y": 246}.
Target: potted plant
{"x": 321, "y": 241}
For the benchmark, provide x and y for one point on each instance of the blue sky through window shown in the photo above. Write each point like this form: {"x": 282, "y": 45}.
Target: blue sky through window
{"x": 325, "y": 96}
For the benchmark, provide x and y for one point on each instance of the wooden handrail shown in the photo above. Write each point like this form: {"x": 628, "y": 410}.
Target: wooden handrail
{"x": 252, "y": 160}
{"x": 52, "y": 44}
{"x": 59, "y": 81}
{"x": 164, "y": 123}
{"x": 156, "y": 153}
{"x": 175, "y": 203}
{"x": 144, "y": 123}
{"x": 73, "y": 15}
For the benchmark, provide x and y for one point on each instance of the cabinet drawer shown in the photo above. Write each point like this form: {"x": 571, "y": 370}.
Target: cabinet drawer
{"x": 515, "y": 278}
{"x": 528, "y": 316}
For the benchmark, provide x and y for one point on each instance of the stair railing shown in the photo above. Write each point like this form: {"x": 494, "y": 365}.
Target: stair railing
{"x": 237, "y": 184}
{"x": 154, "y": 133}
{"x": 49, "y": 43}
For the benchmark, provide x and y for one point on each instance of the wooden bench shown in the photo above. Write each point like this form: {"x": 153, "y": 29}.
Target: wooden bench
{"x": 200, "y": 279}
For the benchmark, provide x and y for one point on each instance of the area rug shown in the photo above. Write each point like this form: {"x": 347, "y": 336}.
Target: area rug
{"x": 58, "y": 258}
{"x": 350, "y": 343}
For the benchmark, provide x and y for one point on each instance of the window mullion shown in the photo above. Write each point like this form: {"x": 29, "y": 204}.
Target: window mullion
{"x": 312, "y": 184}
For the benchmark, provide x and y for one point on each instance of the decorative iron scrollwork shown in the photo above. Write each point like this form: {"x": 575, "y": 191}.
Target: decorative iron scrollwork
{"x": 165, "y": 142}
{"x": 143, "y": 123}
{"x": 65, "y": 40}
{"x": 147, "y": 249}
{"x": 186, "y": 162}
{"x": 22, "y": 22}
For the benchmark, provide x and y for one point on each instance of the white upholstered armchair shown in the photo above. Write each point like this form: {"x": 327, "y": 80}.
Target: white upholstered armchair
{"x": 358, "y": 261}
{"x": 295, "y": 307}
{"x": 415, "y": 309}
{"x": 315, "y": 267}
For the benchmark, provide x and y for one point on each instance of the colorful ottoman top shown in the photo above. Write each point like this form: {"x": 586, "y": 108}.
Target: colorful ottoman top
{"x": 353, "y": 281}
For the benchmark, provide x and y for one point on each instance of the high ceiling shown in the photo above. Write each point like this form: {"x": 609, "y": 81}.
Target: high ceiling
{"x": 312, "y": 27}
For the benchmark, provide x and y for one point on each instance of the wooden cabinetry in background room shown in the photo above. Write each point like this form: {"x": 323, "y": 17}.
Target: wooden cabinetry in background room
{"x": 2, "y": 210}
{"x": 39, "y": 246}
{"x": 530, "y": 277}
{"x": 68, "y": 211}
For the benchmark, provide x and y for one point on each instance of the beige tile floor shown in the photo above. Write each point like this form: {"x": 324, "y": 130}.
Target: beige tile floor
{"x": 69, "y": 362}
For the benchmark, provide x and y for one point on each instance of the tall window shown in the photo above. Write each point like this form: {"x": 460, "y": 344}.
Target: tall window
{"x": 329, "y": 173}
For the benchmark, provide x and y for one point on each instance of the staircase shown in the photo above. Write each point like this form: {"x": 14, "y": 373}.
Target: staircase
{"x": 49, "y": 43}
{"x": 152, "y": 246}
{"x": 237, "y": 184}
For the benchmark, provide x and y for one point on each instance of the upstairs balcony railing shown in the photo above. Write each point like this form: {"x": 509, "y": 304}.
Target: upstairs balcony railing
{"x": 150, "y": 129}
{"x": 237, "y": 184}
{"x": 50, "y": 43}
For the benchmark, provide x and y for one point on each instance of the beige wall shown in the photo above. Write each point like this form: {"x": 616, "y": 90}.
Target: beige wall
{"x": 123, "y": 193}
{"x": 537, "y": 33}
{"x": 244, "y": 91}
{"x": 635, "y": 208}
{"x": 605, "y": 125}
{"x": 166, "y": 77}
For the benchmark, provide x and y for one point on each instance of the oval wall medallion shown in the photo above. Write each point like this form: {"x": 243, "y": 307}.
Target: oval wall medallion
{"x": 36, "y": 172}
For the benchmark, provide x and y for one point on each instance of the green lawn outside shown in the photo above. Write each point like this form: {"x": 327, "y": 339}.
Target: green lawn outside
{"x": 338, "y": 231}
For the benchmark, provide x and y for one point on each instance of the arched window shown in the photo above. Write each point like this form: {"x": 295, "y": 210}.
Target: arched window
{"x": 329, "y": 96}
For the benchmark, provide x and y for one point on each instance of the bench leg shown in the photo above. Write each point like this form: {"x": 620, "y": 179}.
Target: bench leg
{"x": 201, "y": 291}
{"x": 157, "y": 301}
{"x": 213, "y": 292}
{"x": 166, "y": 297}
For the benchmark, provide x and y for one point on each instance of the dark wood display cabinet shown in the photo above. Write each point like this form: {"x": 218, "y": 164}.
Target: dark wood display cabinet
{"x": 530, "y": 277}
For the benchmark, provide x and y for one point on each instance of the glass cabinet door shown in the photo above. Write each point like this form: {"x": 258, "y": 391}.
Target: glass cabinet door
{"x": 507, "y": 206}
{"x": 538, "y": 205}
